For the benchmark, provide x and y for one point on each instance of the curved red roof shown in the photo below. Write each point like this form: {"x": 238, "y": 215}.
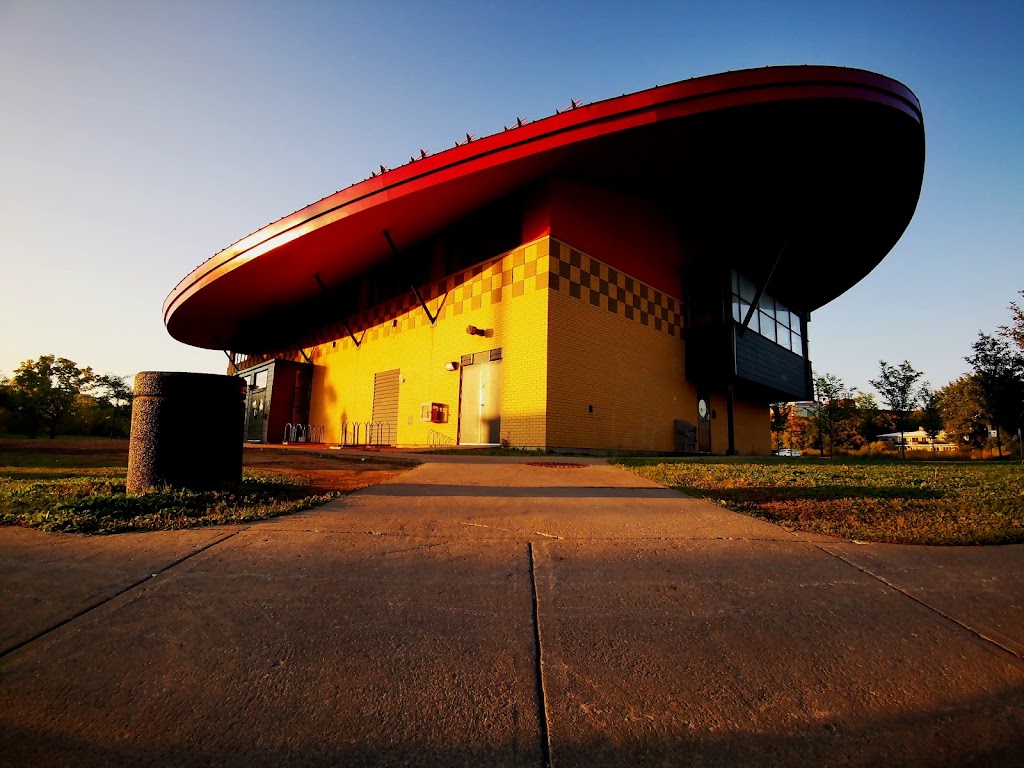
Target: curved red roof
{"x": 837, "y": 153}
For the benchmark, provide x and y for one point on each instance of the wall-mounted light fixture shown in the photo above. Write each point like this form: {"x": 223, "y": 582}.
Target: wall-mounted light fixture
{"x": 472, "y": 330}
{"x": 453, "y": 366}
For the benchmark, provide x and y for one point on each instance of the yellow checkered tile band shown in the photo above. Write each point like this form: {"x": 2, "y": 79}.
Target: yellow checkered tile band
{"x": 591, "y": 281}
{"x": 544, "y": 264}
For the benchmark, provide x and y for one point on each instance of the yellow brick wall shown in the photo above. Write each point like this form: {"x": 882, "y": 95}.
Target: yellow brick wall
{"x": 507, "y": 296}
{"x": 616, "y": 366}
{"x": 753, "y": 429}
{"x": 574, "y": 334}
{"x": 614, "y": 345}
{"x": 751, "y": 426}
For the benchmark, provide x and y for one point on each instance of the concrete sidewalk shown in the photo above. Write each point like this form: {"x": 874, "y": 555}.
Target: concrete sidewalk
{"x": 490, "y": 612}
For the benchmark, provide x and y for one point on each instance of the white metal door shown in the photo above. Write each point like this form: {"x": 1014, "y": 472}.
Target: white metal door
{"x": 480, "y": 404}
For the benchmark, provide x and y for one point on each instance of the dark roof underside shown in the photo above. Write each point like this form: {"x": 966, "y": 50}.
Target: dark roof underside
{"x": 823, "y": 163}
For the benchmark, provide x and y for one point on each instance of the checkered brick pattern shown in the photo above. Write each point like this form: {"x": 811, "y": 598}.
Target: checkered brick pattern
{"x": 527, "y": 268}
{"x": 581, "y": 277}
{"x": 506, "y": 277}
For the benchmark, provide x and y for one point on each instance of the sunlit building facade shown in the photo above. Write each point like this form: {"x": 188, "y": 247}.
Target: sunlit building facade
{"x": 634, "y": 274}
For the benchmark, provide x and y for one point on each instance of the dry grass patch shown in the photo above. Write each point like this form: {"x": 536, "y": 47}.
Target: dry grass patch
{"x": 887, "y": 501}
{"x": 76, "y": 485}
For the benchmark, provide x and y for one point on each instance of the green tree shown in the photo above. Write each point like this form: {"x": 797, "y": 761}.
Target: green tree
{"x": 7, "y": 403}
{"x": 1014, "y": 331}
{"x": 800, "y": 430}
{"x": 999, "y": 370}
{"x": 895, "y": 385}
{"x": 963, "y": 412}
{"x": 780, "y": 413}
{"x": 869, "y": 418}
{"x": 930, "y": 415}
{"x": 113, "y": 393}
{"x": 848, "y": 423}
{"x": 831, "y": 395}
{"x": 46, "y": 391}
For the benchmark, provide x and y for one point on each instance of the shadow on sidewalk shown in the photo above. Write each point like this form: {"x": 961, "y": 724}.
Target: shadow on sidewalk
{"x": 536, "y": 491}
{"x": 983, "y": 731}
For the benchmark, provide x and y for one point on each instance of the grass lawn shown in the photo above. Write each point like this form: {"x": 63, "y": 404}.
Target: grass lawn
{"x": 882, "y": 500}
{"x": 78, "y": 485}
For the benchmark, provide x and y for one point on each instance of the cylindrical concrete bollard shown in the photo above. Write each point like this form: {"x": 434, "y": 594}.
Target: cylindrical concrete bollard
{"x": 187, "y": 431}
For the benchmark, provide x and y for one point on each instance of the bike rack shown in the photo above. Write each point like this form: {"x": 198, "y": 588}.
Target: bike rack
{"x": 438, "y": 439}
{"x": 378, "y": 433}
{"x": 368, "y": 433}
{"x": 350, "y": 432}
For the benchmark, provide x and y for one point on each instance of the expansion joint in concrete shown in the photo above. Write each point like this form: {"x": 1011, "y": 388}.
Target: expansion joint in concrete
{"x": 542, "y": 710}
{"x": 103, "y": 601}
{"x": 967, "y": 628}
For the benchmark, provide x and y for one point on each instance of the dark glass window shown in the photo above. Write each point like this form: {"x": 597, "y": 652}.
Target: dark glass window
{"x": 773, "y": 320}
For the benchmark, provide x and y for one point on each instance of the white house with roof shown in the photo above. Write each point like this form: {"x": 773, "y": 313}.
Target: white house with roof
{"x": 918, "y": 440}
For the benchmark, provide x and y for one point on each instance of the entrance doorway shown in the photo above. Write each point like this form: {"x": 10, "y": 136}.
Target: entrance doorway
{"x": 257, "y": 406}
{"x": 257, "y": 415}
{"x": 480, "y": 400}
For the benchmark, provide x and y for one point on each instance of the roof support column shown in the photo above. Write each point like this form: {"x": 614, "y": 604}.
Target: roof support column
{"x": 344, "y": 323}
{"x": 230, "y": 356}
{"x": 415, "y": 290}
{"x": 730, "y": 401}
{"x": 762, "y": 288}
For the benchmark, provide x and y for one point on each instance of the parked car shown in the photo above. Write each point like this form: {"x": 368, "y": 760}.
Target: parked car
{"x": 786, "y": 452}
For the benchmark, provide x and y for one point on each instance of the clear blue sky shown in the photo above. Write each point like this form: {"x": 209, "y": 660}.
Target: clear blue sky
{"x": 137, "y": 139}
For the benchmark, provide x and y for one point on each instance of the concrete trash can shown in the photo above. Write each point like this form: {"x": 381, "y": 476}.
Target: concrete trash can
{"x": 187, "y": 431}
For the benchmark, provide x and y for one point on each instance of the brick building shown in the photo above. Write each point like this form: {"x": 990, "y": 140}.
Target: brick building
{"x": 633, "y": 274}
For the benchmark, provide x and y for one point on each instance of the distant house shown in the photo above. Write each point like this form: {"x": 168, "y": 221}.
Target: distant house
{"x": 918, "y": 440}
{"x": 804, "y": 409}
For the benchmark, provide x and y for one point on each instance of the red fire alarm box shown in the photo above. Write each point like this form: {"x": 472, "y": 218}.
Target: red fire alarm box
{"x": 435, "y": 412}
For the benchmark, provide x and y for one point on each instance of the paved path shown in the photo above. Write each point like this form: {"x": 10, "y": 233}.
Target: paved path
{"x": 491, "y": 613}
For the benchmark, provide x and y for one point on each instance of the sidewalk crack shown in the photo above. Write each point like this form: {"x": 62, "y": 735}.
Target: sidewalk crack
{"x": 542, "y": 711}
{"x": 103, "y": 601}
{"x": 966, "y": 627}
